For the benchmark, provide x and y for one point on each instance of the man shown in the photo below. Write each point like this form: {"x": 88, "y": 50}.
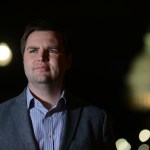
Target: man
{"x": 45, "y": 116}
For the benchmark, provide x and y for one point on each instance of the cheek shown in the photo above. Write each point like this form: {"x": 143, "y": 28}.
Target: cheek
{"x": 55, "y": 62}
{"x": 27, "y": 64}
{"x": 56, "y": 65}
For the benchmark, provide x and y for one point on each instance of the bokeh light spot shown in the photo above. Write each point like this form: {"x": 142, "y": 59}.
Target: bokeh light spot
{"x": 144, "y": 135}
{"x": 122, "y": 144}
{"x": 5, "y": 54}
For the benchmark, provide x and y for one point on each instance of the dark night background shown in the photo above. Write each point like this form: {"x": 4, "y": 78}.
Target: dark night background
{"x": 106, "y": 35}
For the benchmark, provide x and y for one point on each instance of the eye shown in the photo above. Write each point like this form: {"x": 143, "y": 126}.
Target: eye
{"x": 53, "y": 51}
{"x": 32, "y": 50}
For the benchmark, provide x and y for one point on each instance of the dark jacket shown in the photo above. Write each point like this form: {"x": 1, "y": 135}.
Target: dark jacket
{"x": 86, "y": 127}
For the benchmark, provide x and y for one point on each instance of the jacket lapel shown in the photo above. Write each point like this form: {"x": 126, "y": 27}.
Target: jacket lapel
{"x": 72, "y": 117}
{"x": 22, "y": 122}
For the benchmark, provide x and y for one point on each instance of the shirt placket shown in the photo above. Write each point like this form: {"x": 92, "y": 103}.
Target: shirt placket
{"x": 48, "y": 130}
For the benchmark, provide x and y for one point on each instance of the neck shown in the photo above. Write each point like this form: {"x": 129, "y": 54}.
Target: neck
{"x": 45, "y": 93}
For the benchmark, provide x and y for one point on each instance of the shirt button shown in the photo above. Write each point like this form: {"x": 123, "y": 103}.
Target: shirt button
{"x": 48, "y": 136}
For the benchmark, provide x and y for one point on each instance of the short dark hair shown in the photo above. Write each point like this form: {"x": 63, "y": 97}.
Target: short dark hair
{"x": 45, "y": 25}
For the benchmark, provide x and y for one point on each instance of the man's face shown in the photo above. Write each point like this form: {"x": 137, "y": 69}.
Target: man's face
{"x": 44, "y": 58}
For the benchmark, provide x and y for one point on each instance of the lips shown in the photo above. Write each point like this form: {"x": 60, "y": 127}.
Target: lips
{"x": 41, "y": 68}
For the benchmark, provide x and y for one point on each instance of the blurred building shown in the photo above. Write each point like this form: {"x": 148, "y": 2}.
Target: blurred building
{"x": 138, "y": 78}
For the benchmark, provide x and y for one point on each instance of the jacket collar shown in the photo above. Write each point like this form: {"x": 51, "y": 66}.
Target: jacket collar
{"x": 72, "y": 116}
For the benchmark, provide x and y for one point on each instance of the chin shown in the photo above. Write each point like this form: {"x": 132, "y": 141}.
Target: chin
{"x": 42, "y": 80}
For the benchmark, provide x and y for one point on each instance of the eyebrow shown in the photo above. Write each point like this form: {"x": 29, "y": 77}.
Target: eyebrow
{"x": 31, "y": 47}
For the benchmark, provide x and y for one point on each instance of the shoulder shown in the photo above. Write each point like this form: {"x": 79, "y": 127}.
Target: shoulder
{"x": 94, "y": 111}
{"x": 5, "y": 105}
{"x": 88, "y": 109}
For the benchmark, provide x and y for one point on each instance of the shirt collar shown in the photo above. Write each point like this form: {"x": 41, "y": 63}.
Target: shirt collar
{"x": 30, "y": 99}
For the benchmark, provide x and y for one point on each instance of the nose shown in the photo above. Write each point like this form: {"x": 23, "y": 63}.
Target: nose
{"x": 43, "y": 55}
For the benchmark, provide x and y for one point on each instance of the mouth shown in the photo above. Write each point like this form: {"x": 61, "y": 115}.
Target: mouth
{"x": 41, "y": 68}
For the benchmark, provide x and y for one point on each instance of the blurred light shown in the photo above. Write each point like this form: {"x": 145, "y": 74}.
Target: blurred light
{"x": 144, "y": 135}
{"x": 138, "y": 78}
{"x": 5, "y": 54}
{"x": 146, "y": 40}
{"x": 122, "y": 144}
{"x": 143, "y": 147}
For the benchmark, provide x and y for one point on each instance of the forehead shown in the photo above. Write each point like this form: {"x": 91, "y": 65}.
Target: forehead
{"x": 49, "y": 35}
